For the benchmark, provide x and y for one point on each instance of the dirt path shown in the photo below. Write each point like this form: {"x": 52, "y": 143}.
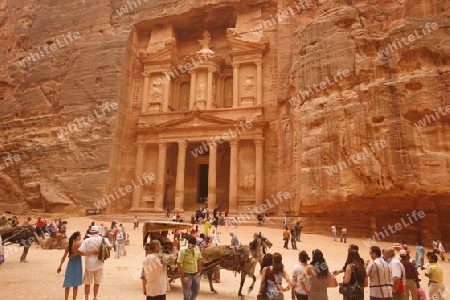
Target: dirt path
{"x": 38, "y": 279}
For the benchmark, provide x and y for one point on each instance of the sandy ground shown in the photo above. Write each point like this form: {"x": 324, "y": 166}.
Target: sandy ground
{"x": 38, "y": 279}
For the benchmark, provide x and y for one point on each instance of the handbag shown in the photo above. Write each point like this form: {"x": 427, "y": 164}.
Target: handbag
{"x": 421, "y": 294}
{"x": 331, "y": 281}
{"x": 352, "y": 291}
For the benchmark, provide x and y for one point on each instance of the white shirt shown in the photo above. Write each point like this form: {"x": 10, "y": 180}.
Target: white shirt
{"x": 156, "y": 274}
{"x": 297, "y": 272}
{"x": 398, "y": 270}
{"x": 380, "y": 276}
{"x": 92, "y": 263}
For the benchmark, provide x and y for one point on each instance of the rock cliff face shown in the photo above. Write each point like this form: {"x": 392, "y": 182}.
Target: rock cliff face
{"x": 350, "y": 82}
{"x": 396, "y": 54}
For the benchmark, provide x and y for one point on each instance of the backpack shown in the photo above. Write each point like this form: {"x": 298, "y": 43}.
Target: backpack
{"x": 103, "y": 253}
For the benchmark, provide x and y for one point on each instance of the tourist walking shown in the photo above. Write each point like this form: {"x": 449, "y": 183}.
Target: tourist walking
{"x": 333, "y": 232}
{"x": 317, "y": 272}
{"x": 93, "y": 272}
{"x": 344, "y": 234}
{"x": 286, "y": 237}
{"x": 411, "y": 275}
{"x": 119, "y": 242}
{"x": 441, "y": 250}
{"x": 436, "y": 288}
{"x": 354, "y": 273}
{"x": 420, "y": 255}
{"x": 189, "y": 266}
{"x": 298, "y": 292}
{"x": 207, "y": 227}
{"x": 74, "y": 269}
{"x": 298, "y": 231}
{"x": 135, "y": 223}
{"x": 380, "y": 275}
{"x": 234, "y": 239}
{"x": 155, "y": 282}
{"x": 293, "y": 239}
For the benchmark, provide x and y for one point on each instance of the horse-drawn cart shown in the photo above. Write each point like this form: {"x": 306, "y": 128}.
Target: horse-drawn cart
{"x": 158, "y": 230}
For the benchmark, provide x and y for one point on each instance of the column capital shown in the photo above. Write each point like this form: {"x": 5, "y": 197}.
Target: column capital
{"x": 258, "y": 142}
{"x": 235, "y": 65}
{"x": 183, "y": 144}
{"x": 212, "y": 69}
{"x": 234, "y": 142}
{"x": 140, "y": 145}
{"x": 162, "y": 145}
{"x": 259, "y": 62}
{"x": 146, "y": 74}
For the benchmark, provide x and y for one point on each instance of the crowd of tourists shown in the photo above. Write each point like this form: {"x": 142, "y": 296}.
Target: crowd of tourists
{"x": 389, "y": 274}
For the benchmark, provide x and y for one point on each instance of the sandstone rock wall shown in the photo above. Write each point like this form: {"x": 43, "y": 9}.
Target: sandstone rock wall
{"x": 381, "y": 99}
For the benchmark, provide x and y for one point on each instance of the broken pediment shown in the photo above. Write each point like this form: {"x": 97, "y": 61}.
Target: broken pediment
{"x": 197, "y": 120}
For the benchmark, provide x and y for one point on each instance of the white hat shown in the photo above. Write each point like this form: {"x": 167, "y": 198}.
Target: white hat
{"x": 403, "y": 252}
{"x": 95, "y": 229}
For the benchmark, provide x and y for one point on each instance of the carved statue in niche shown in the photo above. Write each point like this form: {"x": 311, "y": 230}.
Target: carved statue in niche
{"x": 248, "y": 86}
{"x": 156, "y": 93}
{"x": 248, "y": 185}
{"x": 205, "y": 42}
{"x": 150, "y": 186}
{"x": 201, "y": 90}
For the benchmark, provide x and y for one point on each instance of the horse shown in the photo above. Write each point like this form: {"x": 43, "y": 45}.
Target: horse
{"x": 232, "y": 259}
{"x": 257, "y": 245}
{"x": 23, "y": 235}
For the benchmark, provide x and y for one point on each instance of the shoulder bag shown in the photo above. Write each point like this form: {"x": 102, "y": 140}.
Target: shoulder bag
{"x": 352, "y": 291}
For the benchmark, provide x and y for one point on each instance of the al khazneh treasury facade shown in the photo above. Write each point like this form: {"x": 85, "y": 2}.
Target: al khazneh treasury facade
{"x": 203, "y": 92}
{"x": 200, "y": 126}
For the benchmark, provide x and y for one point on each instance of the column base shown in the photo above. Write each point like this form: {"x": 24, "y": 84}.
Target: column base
{"x": 177, "y": 210}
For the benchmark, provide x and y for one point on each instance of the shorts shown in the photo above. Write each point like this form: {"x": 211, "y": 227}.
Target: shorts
{"x": 96, "y": 276}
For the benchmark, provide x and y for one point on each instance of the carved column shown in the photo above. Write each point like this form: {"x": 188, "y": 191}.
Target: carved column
{"x": 212, "y": 179}
{"x": 219, "y": 92}
{"x": 235, "y": 85}
{"x": 259, "y": 170}
{"x": 209, "y": 98}
{"x": 258, "y": 82}
{"x": 193, "y": 89}
{"x": 233, "y": 174}
{"x": 160, "y": 178}
{"x": 139, "y": 170}
{"x": 179, "y": 184}
{"x": 145, "y": 92}
{"x": 166, "y": 99}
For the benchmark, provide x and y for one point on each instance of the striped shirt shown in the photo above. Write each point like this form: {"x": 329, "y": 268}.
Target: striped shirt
{"x": 380, "y": 275}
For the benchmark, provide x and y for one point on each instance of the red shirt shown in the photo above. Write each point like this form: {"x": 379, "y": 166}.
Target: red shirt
{"x": 40, "y": 223}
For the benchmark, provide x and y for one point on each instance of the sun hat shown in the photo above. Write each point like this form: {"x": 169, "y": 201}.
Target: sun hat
{"x": 95, "y": 229}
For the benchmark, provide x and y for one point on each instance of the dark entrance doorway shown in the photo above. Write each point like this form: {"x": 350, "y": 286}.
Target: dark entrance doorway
{"x": 202, "y": 183}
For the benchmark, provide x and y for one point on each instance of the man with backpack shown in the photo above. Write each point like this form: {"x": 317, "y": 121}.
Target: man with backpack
{"x": 93, "y": 265}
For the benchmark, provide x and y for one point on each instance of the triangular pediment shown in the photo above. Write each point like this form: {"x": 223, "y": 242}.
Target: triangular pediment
{"x": 196, "y": 119}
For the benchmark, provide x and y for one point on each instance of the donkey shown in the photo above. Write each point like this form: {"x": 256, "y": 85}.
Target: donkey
{"x": 231, "y": 259}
